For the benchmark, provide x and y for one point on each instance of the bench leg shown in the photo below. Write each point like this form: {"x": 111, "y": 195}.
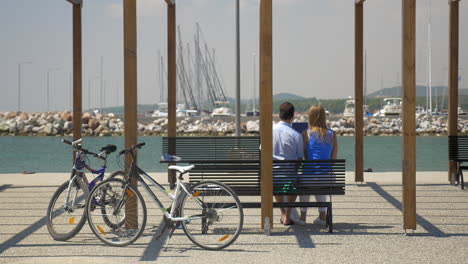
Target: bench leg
{"x": 330, "y": 219}
{"x": 461, "y": 179}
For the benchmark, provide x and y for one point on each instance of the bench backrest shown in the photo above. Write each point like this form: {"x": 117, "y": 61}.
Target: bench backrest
{"x": 458, "y": 148}
{"x": 213, "y": 148}
{"x": 290, "y": 177}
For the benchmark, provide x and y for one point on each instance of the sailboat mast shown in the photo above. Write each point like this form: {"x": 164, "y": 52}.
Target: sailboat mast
{"x": 429, "y": 61}
{"x": 365, "y": 77}
{"x": 255, "y": 82}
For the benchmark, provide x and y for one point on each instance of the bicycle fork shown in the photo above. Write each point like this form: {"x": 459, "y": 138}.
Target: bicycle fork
{"x": 74, "y": 180}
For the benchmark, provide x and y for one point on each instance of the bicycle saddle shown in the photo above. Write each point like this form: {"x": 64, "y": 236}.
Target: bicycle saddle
{"x": 181, "y": 169}
{"x": 109, "y": 149}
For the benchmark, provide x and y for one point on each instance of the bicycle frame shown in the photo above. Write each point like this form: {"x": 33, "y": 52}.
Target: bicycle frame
{"x": 78, "y": 175}
{"x": 137, "y": 172}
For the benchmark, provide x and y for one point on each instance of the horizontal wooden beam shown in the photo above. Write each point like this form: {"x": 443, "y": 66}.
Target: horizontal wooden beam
{"x": 75, "y": 2}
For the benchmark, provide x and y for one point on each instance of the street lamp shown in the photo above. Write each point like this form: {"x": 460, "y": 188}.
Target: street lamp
{"x": 48, "y": 85}
{"x": 19, "y": 82}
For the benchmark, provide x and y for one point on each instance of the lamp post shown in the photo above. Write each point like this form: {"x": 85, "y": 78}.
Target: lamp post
{"x": 19, "y": 82}
{"x": 238, "y": 121}
{"x": 48, "y": 85}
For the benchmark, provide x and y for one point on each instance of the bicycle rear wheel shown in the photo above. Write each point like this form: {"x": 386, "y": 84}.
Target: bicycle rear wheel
{"x": 214, "y": 215}
{"x": 65, "y": 220}
{"x": 116, "y": 214}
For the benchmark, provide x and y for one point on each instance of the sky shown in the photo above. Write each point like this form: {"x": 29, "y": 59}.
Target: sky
{"x": 313, "y": 47}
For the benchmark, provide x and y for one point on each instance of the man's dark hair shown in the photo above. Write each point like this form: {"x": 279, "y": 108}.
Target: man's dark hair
{"x": 286, "y": 111}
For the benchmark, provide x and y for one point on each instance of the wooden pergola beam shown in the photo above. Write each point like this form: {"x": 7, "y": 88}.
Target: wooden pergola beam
{"x": 453, "y": 81}
{"x": 130, "y": 92}
{"x": 172, "y": 82}
{"x": 77, "y": 72}
{"x": 408, "y": 114}
{"x": 358, "y": 91}
{"x": 266, "y": 110}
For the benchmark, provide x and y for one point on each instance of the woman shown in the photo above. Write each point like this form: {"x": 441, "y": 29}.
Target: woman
{"x": 319, "y": 144}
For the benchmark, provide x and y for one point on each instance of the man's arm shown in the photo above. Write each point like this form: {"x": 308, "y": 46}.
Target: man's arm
{"x": 305, "y": 142}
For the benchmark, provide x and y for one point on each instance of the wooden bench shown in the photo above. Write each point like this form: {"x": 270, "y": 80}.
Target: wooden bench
{"x": 239, "y": 168}
{"x": 458, "y": 152}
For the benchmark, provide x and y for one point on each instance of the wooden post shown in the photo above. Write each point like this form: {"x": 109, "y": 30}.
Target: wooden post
{"x": 130, "y": 90}
{"x": 77, "y": 73}
{"x": 453, "y": 82}
{"x": 409, "y": 115}
{"x": 358, "y": 92}
{"x": 171, "y": 75}
{"x": 266, "y": 109}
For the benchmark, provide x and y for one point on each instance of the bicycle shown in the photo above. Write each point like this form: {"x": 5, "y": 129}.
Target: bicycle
{"x": 209, "y": 212}
{"x": 65, "y": 219}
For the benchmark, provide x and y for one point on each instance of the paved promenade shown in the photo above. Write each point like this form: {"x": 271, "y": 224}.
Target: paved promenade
{"x": 368, "y": 228}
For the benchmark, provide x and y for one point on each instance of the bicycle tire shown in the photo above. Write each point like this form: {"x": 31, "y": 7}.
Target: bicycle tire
{"x": 63, "y": 229}
{"x": 114, "y": 175}
{"x": 108, "y": 194}
{"x": 219, "y": 223}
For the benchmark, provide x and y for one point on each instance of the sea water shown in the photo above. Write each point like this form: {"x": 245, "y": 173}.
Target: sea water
{"x": 49, "y": 154}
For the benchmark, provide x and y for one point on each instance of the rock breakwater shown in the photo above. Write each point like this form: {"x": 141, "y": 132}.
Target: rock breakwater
{"x": 60, "y": 124}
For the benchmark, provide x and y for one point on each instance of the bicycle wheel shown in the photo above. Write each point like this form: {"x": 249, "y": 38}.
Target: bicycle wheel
{"x": 64, "y": 221}
{"x": 116, "y": 215}
{"x": 109, "y": 223}
{"x": 117, "y": 175}
{"x": 214, "y": 215}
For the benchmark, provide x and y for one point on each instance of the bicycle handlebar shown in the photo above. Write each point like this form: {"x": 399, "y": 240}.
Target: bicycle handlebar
{"x": 137, "y": 146}
{"x": 76, "y": 144}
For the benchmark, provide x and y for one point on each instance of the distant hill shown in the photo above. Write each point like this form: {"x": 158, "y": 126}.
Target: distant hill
{"x": 286, "y": 96}
{"x": 276, "y": 97}
{"x": 420, "y": 91}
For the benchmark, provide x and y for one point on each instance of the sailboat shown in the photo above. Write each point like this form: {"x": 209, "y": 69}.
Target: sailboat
{"x": 162, "y": 105}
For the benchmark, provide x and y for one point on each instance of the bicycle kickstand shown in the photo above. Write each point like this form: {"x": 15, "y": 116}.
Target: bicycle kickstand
{"x": 169, "y": 237}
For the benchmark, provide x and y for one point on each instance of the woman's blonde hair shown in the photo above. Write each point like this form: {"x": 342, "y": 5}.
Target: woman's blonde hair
{"x": 318, "y": 123}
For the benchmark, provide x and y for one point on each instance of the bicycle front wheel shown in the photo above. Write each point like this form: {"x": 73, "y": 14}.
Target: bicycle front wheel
{"x": 214, "y": 215}
{"x": 116, "y": 213}
{"x": 66, "y": 216}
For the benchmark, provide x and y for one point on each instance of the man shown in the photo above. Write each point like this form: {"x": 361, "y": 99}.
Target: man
{"x": 287, "y": 145}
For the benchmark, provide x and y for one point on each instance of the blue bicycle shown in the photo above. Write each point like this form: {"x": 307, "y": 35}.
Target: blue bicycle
{"x": 66, "y": 214}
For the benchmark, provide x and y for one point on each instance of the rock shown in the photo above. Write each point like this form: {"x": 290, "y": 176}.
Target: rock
{"x": 4, "y": 127}
{"x": 111, "y": 115}
{"x": 27, "y": 129}
{"x": 424, "y": 124}
{"x": 93, "y": 124}
{"x": 10, "y": 115}
{"x": 100, "y": 129}
{"x": 86, "y": 117}
{"x": 67, "y": 116}
{"x": 12, "y": 126}
{"x": 105, "y": 133}
{"x": 49, "y": 119}
{"x": 68, "y": 125}
{"x": 37, "y": 129}
{"x": 48, "y": 129}
{"x": 252, "y": 126}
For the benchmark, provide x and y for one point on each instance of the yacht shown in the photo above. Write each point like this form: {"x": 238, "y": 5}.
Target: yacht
{"x": 221, "y": 109}
{"x": 349, "y": 108}
{"x": 392, "y": 107}
{"x": 420, "y": 111}
{"x": 162, "y": 110}
{"x": 461, "y": 112}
